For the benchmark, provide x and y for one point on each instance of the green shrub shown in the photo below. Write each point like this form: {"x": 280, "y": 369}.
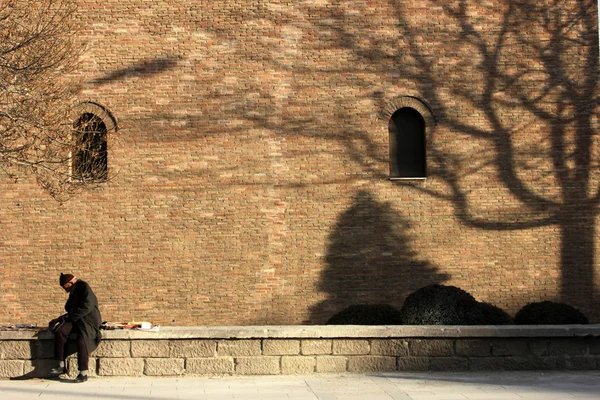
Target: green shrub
{"x": 449, "y": 305}
{"x": 549, "y": 313}
{"x": 367, "y": 314}
{"x": 438, "y": 305}
{"x": 489, "y": 314}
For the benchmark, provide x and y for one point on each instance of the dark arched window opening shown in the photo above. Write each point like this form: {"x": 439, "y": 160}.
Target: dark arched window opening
{"x": 90, "y": 161}
{"x": 407, "y": 144}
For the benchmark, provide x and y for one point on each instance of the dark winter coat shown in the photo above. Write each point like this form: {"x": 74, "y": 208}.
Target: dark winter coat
{"x": 82, "y": 311}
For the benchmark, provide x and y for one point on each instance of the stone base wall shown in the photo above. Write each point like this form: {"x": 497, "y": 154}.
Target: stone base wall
{"x": 308, "y": 350}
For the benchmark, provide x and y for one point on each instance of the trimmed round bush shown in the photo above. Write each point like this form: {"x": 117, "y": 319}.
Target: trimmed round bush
{"x": 439, "y": 305}
{"x": 489, "y": 314}
{"x": 367, "y": 314}
{"x": 549, "y": 313}
{"x": 449, "y": 305}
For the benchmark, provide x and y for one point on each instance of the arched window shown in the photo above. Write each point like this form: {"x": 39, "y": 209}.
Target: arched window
{"x": 90, "y": 160}
{"x": 407, "y": 144}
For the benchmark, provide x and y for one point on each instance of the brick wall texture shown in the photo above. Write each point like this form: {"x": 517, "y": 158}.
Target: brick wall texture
{"x": 251, "y": 161}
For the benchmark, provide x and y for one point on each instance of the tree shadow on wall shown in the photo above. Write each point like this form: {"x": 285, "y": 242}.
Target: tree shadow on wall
{"x": 370, "y": 260}
{"x": 142, "y": 68}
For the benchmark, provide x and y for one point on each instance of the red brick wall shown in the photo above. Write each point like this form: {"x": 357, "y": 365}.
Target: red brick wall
{"x": 251, "y": 161}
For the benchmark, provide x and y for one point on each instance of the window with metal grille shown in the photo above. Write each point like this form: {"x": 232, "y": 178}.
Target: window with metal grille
{"x": 90, "y": 160}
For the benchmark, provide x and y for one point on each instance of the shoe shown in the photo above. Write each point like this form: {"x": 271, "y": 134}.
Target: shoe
{"x": 57, "y": 371}
{"x": 80, "y": 378}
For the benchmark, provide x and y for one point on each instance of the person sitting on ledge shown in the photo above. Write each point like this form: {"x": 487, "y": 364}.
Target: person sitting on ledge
{"x": 82, "y": 318}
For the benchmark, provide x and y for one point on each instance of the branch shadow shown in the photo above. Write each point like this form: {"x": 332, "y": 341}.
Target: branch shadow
{"x": 143, "y": 68}
{"x": 554, "y": 83}
{"x": 360, "y": 267}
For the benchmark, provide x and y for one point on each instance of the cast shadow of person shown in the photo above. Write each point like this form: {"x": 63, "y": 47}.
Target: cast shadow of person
{"x": 370, "y": 260}
{"x": 42, "y": 360}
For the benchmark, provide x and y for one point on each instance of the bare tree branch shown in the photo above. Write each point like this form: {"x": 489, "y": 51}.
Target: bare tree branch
{"x": 38, "y": 51}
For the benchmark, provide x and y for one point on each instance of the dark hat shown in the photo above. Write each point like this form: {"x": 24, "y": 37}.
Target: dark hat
{"x": 65, "y": 278}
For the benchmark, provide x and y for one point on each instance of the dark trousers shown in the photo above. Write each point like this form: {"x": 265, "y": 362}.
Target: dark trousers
{"x": 61, "y": 336}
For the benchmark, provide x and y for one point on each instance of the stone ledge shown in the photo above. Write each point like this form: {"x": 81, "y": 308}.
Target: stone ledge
{"x": 282, "y": 356}
{"x": 330, "y": 331}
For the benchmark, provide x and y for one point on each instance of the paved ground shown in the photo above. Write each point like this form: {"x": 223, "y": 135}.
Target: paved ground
{"x": 389, "y": 386}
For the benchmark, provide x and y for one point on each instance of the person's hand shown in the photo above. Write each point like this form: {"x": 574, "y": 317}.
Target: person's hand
{"x": 53, "y": 322}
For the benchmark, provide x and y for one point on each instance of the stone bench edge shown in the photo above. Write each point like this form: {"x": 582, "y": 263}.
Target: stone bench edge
{"x": 332, "y": 332}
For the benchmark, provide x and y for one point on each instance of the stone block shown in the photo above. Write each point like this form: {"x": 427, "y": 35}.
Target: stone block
{"x": 281, "y": 347}
{"x": 150, "y": 349}
{"x": 506, "y": 363}
{"x": 164, "y": 366}
{"x": 581, "y": 363}
{"x": 413, "y": 363}
{"x": 297, "y": 365}
{"x": 448, "y": 364}
{"x": 192, "y": 348}
{"x": 594, "y": 345}
{"x": 568, "y": 347}
{"x": 389, "y": 347}
{"x": 510, "y": 347}
{"x": 73, "y": 369}
{"x": 485, "y": 364}
{"x": 11, "y": 368}
{"x": 371, "y": 364}
{"x": 209, "y": 366}
{"x": 239, "y": 348}
{"x": 113, "y": 349}
{"x": 39, "y": 368}
{"x": 316, "y": 347}
{"x": 44, "y": 349}
{"x": 539, "y": 347}
{"x": 351, "y": 347}
{"x": 332, "y": 364}
{"x": 121, "y": 366}
{"x": 257, "y": 365}
{"x": 474, "y": 348}
{"x": 431, "y": 348}
{"x": 15, "y": 350}
{"x": 548, "y": 363}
